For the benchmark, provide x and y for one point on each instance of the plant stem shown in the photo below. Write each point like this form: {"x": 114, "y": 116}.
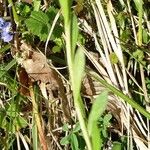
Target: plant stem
{"x": 37, "y": 118}
{"x": 77, "y": 101}
{"x": 14, "y": 12}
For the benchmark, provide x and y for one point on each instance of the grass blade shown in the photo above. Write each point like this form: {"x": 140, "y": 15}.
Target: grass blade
{"x": 98, "y": 108}
{"x": 79, "y": 63}
{"x": 122, "y": 96}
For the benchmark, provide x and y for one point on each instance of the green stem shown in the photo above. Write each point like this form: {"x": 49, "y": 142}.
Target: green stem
{"x": 140, "y": 28}
{"x": 16, "y": 18}
{"x": 77, "y": 101}
{"x": 122, "y": 96}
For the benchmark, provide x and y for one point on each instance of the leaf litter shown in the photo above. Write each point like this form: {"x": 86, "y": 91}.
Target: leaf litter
{"x": 38, "y": 70}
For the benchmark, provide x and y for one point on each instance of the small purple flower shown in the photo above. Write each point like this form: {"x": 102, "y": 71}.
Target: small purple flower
{"x": 2, "y": 22}
{"x": 6, "y": 36}
{"x": 6, "y": 27}
{"x": 5, "y": 33}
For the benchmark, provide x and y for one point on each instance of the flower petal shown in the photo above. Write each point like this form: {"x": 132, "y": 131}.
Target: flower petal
{"x": 2, "y": 22}
{"x": 6, "y": 27}
{"x": 6, "y": 36}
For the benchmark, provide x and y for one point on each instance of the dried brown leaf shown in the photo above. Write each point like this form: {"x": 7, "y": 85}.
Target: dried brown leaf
{"x": 24, "y": 82}
{"x": 38, "y": 69}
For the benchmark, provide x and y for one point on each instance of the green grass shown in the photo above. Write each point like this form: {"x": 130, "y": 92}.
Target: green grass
{"x": 75, "y": 76}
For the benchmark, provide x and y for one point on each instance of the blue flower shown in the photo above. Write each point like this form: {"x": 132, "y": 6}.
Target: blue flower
{"x": 6, "y": 36}
{"x": 5, "y": 33}
{"x": 2, "y": 22}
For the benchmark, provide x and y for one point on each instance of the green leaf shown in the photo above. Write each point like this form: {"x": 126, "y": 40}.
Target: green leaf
{"x": 51, "y": 13}
{"x": 78, "y": 69}
{"x": 34, "y": 135}
{"x": 36, "y": 4}
{"x": 23, "y": 10}
{"x": 38, "y": 24}
{"x": 98, "y": 108}
{"x": 40, "y": 16}
{"x": 106, "y": 120}
{"x": 74, "y": 142}
{"x": 58, "y": 42}
{"x": 8, "y": 67}
{"x": 117, "y": 146}
{"x": 126, "y": 34}
{"x": 65, "y": 140}
{"x": 65, "y": 127}
{"x": 121, "y": 95}
{"x": 2, "y": 116}
{"x": 77, "y": 128}
{"x": 104, "y": 132}
{"x": 21, "y": 122}
{"x": 96, "y": 137}
{"x": 145, "y": 36}
{"x": 81, "y": 142}
{"x": 139, "y": 55}
{"x": 75, "y": 32}
{"x": 56, "y": 49}
{"x": 66, "y": 6}
{"x": 138, "y": 4}
{"x": 57, "y": 32}
{"x": 113, "y": 58}
{"x": 13, "y": 110}
{"x": 10, "y": 126}
{"x": 5, "y": 48}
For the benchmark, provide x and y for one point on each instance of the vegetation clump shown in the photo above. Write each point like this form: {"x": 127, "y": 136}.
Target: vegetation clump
{"x": 74, "y": 75}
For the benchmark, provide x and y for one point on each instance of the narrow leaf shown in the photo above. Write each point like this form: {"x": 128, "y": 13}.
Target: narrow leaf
{"x": 8, "y": 67}
{"x": 66, "y": 6}
{"x": 122, "y": 95}
{"x": 75, "y": 32}
{"x": 79, "y": 63}
{"x": 34, "y": 135}
{"x": 98, "y": 108}
{"x": 74, "y": 142}
{"x": 138, "y": 4}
